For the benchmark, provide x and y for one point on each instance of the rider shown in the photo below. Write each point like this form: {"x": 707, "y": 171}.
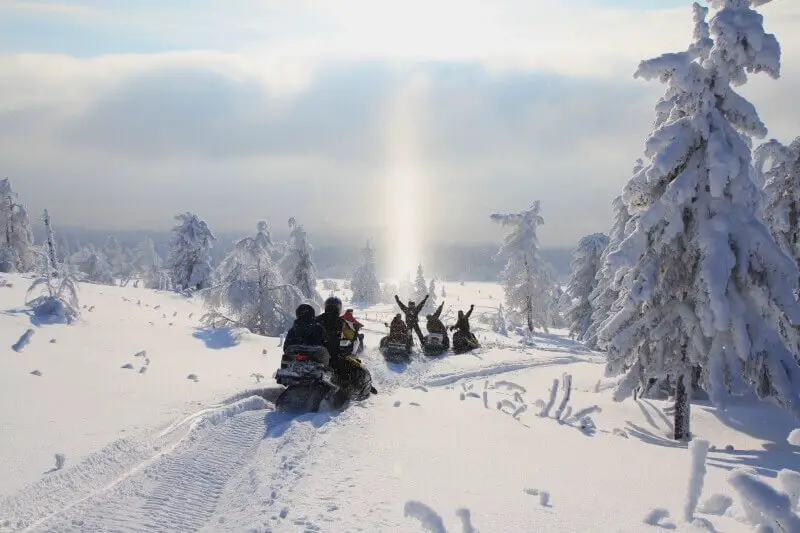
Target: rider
{"x": 347, "y": 368}
{"x": 412, "y": 315}
{"x": 333, "y": 324}
{"x": 398, "y": 331}
{"x": 434, "y": 324}
{"x": 355, "y": 327}
{"x": 462, "y": 324}
{"x": 305, "y": 331}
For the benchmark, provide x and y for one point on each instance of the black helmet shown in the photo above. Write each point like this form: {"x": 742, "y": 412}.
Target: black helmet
{"x": 333, "y": 303}
{"x": 304, "y": 312}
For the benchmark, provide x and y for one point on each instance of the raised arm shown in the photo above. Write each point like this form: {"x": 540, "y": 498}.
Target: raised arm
{"x": 439, "y": 310}
{"x": 469, "y": 313}
{"x": 422, "y": 303}
{"x": 402, "y": 307}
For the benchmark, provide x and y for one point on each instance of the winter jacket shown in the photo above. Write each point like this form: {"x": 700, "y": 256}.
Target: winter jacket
{"x": 306, "y": 332}
{"x": 332, "y": 324}
{"x": 412, "y": 315}
{"x": 462, "y": 324}
{"x": 398, "y": 332}
{"x": 351, "y": 320}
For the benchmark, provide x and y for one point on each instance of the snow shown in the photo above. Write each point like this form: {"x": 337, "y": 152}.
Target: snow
{"x": 699, "y": 451}
{"x": 159, "y": 452}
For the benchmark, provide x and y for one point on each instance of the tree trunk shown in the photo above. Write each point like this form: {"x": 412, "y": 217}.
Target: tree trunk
{"x": 529, "y": 312}
{"x": 683, "y": 394}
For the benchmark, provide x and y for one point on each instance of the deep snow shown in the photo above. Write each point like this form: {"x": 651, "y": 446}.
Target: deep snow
{"x": 452, "y": 444}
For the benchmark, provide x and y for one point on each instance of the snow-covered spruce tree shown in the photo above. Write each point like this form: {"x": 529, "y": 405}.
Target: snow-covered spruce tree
{"x": 120, "y": 261}
{"x": 297, "y": 266}
{"x": 50, "y": 245}
{"x": 251, "y": 292}
{"x": 17, "y": 252}
{"x": 585, "y": 267}
{"x": 780, "y": 201}
{"x": 527, "y": 286}
{"x": 93, "y": 265}
{"x": 420, "y": 285}
{"x": 189, "y": 253}
{"x": 365, "y": 285}
{"x": 433, "y": 301}
{"x": 607, "y": 290}
{"x": 52, "y": 300}
{"x": 708, "y": 285}
{"x": 147, "y": 265}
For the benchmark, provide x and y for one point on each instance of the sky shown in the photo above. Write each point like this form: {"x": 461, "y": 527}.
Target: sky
{"x": 412, "y": 120}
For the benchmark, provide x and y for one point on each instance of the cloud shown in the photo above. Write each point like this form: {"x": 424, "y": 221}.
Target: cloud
{"x": 299, "y": 125}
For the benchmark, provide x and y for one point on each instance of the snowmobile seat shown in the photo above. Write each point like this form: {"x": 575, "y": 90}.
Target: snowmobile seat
{"x": 299, "y": 352}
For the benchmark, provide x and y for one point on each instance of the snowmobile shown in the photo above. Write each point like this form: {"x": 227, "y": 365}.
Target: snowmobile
{"x": 394, "y": 351}
{"x": 435, "y": 344}
{"x": 310, "y": 381}
{"x": 464, "y": 342}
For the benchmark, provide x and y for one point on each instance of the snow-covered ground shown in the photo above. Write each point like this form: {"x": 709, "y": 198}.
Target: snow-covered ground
{"x": 449, "y": 444}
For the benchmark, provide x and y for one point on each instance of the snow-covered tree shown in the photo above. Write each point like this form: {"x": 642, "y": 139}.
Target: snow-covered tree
{"x": 53, "y": 300}
{"x": 780, "y": 202}
{"x": 365, "y": 285}
{"x": 708, "y": 287}
{"x": 432, "y": 302}
{"x": 609, "y": 277}
{"x": 527, "y": 286}
{"x": 421, "y": 290}
{"x": 297, "y": 266}
{"x": 50, "y": 244}
{"x": 120, "y": 261}
{"x": 251, "y": 292}
{"x": 94, "y": 266}
{"x": 148, "y": 265}
{"x": 17, "y": 252}
{"x": 585, "y": 266}
{"x": 189, "y": 254}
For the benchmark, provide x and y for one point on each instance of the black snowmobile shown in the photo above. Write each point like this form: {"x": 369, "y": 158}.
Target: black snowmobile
{"x": 464, "y": 342}
{"x": 310, "y": 381}
{"x": 394, "y": 351}
{"x": 435, "y": 344}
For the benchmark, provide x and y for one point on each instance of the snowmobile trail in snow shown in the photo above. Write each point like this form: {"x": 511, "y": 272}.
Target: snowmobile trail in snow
{"x": 89, "y": 496}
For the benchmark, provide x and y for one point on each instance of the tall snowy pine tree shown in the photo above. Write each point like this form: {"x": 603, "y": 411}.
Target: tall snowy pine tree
{"x": 709, "y": 286}
{"x": 189, "y": 252}
{"x": 365, "y": 285}
{"x": 251, "y": 292}
{"x": 780, "y": 202}
{"x": 585, "y": 266}
{"x": 527, "y": 286}
{"x": 17, "y": 252}
{"x": 297, "y": 265}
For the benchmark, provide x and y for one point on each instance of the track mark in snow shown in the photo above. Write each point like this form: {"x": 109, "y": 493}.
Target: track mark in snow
{"x": 440, "y": 380}
{"x": 23, "y": 341}
{"x": 430, "y": 519}
{"x": 466, "y": 521}
{"x": 420, "y": 387}
{"x": 658, "y": 517}
{"x": 178, "y": 491}
{"x": 510, "y": 385}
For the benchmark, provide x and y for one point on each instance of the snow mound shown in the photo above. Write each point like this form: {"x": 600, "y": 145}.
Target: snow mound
{"x": 794, "y": 437}
{"x": 428, "y": 518}
{"x": 251, "y": 403}
{"x": 23, "y": 341}
{"x": 716, "y": 504}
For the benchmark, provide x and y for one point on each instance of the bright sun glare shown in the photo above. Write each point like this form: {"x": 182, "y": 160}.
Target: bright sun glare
{"x": 404, "y": 173}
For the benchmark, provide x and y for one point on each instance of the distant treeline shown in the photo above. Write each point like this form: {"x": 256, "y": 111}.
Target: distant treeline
{"x": 462, "y": 262}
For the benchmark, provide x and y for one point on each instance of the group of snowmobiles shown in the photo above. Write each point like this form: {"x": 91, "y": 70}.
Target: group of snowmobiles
{"x": 319, "y": 367}
{"x": 398, "y": 345}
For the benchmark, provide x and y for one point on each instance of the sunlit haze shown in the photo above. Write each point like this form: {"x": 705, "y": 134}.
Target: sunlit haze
{"x": 365, "y": 120}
